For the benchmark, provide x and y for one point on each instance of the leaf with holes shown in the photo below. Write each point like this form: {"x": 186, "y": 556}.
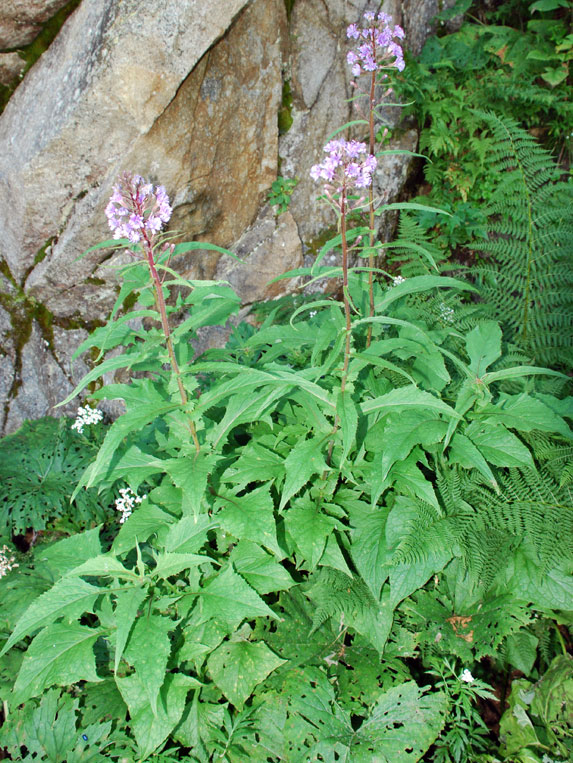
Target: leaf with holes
{"x": 39, "y": 466}
{"x": 230, "y": 599}
{"x": 250, "y": 517}
{"x": 401, "y": 726}
{"x": 238, "y": 666}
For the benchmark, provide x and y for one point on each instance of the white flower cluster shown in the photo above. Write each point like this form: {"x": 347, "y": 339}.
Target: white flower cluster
{"x": 398, "y": 280}
{"x": 126, "y": 502}
{"x": 86, "y": 416}
{"x": 446, "y": 313}
{"x": 466, "y": 676}
{"x": 7, "y": 562}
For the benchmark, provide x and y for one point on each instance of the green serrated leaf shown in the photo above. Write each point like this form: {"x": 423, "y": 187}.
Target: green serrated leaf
{"x": 304, "y": 460}
{"x": 62, "y": 653}
{"x": 173, "y": 564}
{"x": 256, "y": 463}
{"x": 309, "y": 529}
{"x": 127, "y": 606}
{"x": 189, "y": 534}
{"x": 545, "y": 589}
{"x": 251, "y": 517}
{"x": 238, "y": 666}
{"x": 69, "y": 596}
{"x": 230, "y": 599}
{"x": 132, "y": 421}
{"x": 347, "y": 413}
{"x": 259, "y": 568}
{"x": 368, "y": 547}
{"x": 483, "y": 345}
{"x": 191, "y": 473}
{"x": 148, "y": 649}
{"x": 406, "y": 397}
{"x": 465, "y": 453}
{"x": 406, "y": 429}
{"x": 150, "y": 729}
{"x": 64, "y": 555}
{"x": 333, "y": 556}
{"x": 522, "y": 650}
{"x": 147, "y": 521}
{"x": 103, "y": 565}
{"x": 409, "y": 479}
{"x": 498, "y": 445}
{"x": 526, "y": 413}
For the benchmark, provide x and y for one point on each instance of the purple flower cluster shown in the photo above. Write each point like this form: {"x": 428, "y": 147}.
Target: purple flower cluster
{"x": 136, "y": 209}
{"x": 348, "y": 163}
{"x": 377, "y": 45}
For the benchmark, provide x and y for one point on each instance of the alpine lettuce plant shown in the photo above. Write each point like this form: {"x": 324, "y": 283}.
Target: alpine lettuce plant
{"x": 299, "y": 510}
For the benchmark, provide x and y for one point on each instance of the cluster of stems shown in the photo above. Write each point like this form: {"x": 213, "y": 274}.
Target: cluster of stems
{"x": 345, "y": 171}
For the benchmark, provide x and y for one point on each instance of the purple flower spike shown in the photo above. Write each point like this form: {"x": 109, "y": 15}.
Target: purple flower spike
{"x": 348, "y": 164}
{"x": 136, "y": 210}
{"x": 377, "y": 45}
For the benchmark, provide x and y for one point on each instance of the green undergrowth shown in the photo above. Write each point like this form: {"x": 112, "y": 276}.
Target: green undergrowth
{"x": 347, "y": 534}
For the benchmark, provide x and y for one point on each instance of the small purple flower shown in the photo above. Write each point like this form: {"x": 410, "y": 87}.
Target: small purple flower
{"x": 353, "y": 32}
{"x": 347, "y": 165}
{"x": 136, "y": 210}
{"x": 377, "y": 47}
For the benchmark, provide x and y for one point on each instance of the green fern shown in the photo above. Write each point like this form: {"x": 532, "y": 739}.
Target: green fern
{"x": 528, "y": 277}
{"x": 336, "y": 595}
{"x": 555, "y": 454}
{"x": 413, "y": 250}
{"x": 530, "y": 505}
{"x": 483, "y": 526}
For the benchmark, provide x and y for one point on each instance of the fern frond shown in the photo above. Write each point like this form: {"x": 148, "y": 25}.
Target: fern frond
{"x": 530, "y": 505}
{"x": 337, "y": 595}
{"x": 528, "y": 272}
{"x": 425, "y": 526}
{"x": 555, "y": 454}
{"x": 412, "y": 261}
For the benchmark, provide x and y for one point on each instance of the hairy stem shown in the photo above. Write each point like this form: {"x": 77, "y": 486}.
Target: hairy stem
{"x": 160, "y": 301}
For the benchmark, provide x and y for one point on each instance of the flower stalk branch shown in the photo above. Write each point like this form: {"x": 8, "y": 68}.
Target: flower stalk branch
{"x": 374, "y": 53}
{"x": 137, "y": 211}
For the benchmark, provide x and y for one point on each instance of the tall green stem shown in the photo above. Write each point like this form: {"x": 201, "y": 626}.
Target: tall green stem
{"x": 346, "y": 301}
{"x": 160, "y": 301}
{"x": 345, "y": 288}
{"x": 371, "y": 209}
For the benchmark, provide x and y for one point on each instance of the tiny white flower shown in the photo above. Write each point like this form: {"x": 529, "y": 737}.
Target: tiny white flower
{"x": 398, "y": 280}
{"x": 126, "y": 502}
{"x": 311, "y": 313}
{"x": 446, "y": 313}
{"x": 7, "y": 561}
{"x": 85, "y": 417}
{"x": 466, "y": 676}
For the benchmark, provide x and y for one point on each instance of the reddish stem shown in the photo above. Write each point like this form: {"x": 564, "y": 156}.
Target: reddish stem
{"x": 160, "y": 301}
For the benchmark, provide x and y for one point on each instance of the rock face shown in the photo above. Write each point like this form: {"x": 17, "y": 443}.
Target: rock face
{"x": 22, "y": 20}
{"x": 186, "y": 93}
{"x": 11, "y": 67}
